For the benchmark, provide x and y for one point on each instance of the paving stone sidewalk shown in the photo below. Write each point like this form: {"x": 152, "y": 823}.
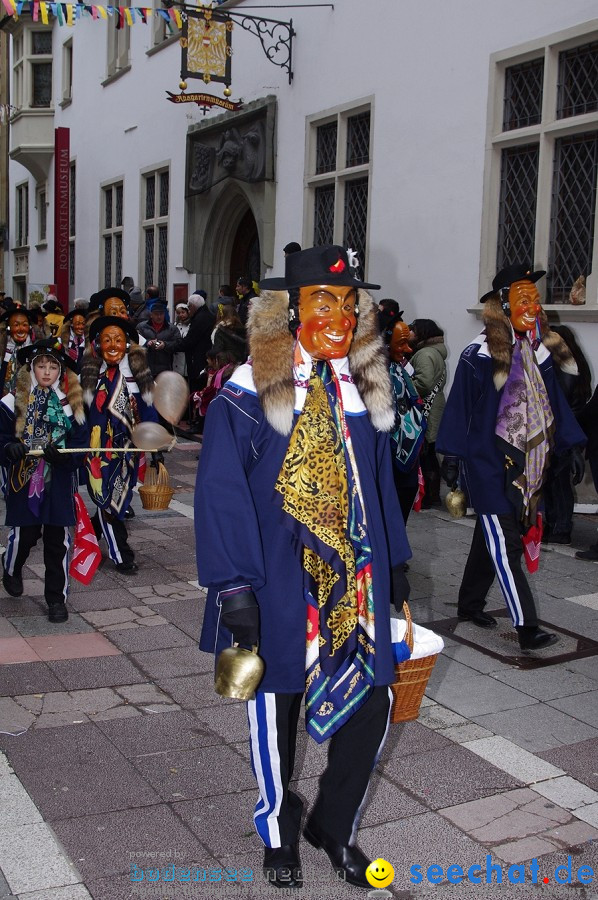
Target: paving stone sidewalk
{"x": 119, "y": 760}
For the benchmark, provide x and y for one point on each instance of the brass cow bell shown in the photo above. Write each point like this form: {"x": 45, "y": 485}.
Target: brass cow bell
{"x": 456, "y": 503}
{"x": 238, "y": 673}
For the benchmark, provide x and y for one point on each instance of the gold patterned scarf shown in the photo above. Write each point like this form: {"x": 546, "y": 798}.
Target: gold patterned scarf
{"x": 319, "y": 491}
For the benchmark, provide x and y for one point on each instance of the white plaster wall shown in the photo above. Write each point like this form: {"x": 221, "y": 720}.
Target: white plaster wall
{"x": 427, "y": 66}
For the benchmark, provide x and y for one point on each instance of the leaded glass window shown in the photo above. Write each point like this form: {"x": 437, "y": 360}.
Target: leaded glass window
{"x": 156, "y": 186}
{"x": 112, "y": 233}
{"x": 517, "y": 205}
{"x": 107, "y": 261}
{"x": 108, "y": 208}
{"x": 41, "y": 84}
{"x": 41, "y": 42}
{"x": 164, "y": 192}
{"x": 358, "y": 139}
{"x": 324, "y": 215}
{"x": 542, "y": 187}
{"x": 150, "y": 198}
{"x": 326, "y": 148}
{"x": 338, "y": 196}
{"x": 22, "y": 193}
{"x": 573, "y": 212}
{"x": 163, "y": 260}
{"x": 523, "y": 95}
{"x": 356, "y": 215}
{"x": 42, "y": 217}
{"x": 149, "y": 256}
{"x": 578, "y": 81}
{"x": 119, "y": 206}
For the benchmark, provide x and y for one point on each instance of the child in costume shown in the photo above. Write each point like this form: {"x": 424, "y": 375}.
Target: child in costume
{"x": 118, "y": 389}
{"x": 40, "y": 489}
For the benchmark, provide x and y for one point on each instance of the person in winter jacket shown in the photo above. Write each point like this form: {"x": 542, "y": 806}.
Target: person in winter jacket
{"x": 429, "y": 378}
{"x": 161, "y": 339}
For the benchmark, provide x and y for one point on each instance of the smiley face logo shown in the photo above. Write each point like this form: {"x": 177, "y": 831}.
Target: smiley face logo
{"x": 380, "y": 873}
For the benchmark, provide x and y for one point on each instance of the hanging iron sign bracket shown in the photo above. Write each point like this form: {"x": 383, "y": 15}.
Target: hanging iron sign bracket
{"x": 276, "y": 37}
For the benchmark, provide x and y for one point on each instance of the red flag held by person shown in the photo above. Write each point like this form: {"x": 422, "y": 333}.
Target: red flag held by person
{"x": 86, "y": 552}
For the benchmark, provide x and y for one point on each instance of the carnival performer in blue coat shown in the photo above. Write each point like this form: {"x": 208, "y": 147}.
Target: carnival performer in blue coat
{"x": 298, "y": 528}
{"x": 505, "y": 415}
{"x": 40, "y": 489}
{"x": 117, "y": 389}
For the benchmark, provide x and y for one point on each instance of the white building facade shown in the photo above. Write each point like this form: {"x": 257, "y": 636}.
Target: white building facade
{"x": 440, "y": 140}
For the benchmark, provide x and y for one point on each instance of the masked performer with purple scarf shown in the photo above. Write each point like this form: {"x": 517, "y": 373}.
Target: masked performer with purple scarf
{"x": 40, "y": 489}
{"x": 298, "y": 527}
{"x": 505, "y": 415}
{"x": 117, "y": 389}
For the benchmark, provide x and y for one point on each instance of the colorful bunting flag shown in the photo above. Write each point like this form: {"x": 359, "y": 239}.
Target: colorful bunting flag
{"x": 68, "y": 13}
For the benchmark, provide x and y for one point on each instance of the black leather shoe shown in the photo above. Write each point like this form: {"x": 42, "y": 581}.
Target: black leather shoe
{"x": 533, "y": 638}
{"x": 58, "y": 612}
{"x": 126, "y": 568}
{"x": 13, "y": 584}
{"x": 282, "y": 867}
{"x": 130, "y": 513}
{"x": 590, "y": 554}
{"x": 564, "y": 539}
{"x": 348, "y": 862}
{"x": 481, "y": 619}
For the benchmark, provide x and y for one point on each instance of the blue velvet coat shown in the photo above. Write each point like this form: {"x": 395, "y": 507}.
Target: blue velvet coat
{"x": 58, "y": 506}
{"x": 241, "y": 538}
{"x": 467, "y": 429}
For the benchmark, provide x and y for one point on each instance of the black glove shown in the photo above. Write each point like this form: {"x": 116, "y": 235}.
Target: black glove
{"x": 53, "y": 456}
{"x": 15, "y": 451}
{"x": 157, "y": 458}
{"x": 578, "y": 465}
{"x": 449, "y": 469}
{"x": 241, "y": 615}
{"x": 400, "y": 587}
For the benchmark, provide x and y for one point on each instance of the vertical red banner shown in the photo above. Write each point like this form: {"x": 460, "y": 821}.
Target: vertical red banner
{"x": 62, "y": 166}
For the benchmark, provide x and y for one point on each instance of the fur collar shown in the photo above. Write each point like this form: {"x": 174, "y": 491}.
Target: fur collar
{"x": 271, "y": 347}
{"x": 69, "y": 384}
{"x": 499, "y": 338}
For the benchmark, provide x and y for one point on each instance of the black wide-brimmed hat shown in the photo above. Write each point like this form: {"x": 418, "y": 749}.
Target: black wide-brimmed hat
{"x": 51, "y": 346}
{"x": 75, "y": 312}
{"x": 318, "y": 265}
{"x": 18, "y": 308}
{"x": 97, "y": 301}
{"x": 507, "y": 276}
{"x": 102, "y": 322}
{"x": 52, "y": 306}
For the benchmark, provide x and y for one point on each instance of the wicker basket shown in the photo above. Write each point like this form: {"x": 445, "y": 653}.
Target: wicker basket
{"x": 412, "y": 678}
{"x": 156, "y": 492}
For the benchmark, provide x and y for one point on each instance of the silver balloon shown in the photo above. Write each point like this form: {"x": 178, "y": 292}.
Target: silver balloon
{"x": 151, "y": 436}
{"x": 171, "y": 396}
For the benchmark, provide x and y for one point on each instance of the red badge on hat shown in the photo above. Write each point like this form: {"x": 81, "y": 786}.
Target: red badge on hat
{"x": 337, "y": 267}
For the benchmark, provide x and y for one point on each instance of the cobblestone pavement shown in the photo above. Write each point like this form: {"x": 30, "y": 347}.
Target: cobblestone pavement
{"x": 119, "y": 761}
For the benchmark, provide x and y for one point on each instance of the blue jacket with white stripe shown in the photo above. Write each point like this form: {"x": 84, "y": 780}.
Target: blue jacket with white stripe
{"x": 467, "y": 430}
{"x": 241, "y": 538}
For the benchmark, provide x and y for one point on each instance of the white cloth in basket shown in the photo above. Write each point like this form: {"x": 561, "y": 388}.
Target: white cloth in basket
{"x": 425, "y": 642}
